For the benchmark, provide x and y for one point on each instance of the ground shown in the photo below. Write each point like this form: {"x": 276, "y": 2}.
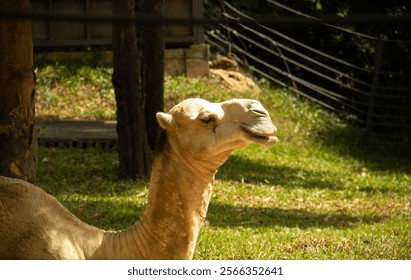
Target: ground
{"x": 327, "y": 191}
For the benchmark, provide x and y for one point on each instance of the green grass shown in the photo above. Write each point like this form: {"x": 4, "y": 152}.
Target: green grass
{"x": 324, "y": 192}
{"x": 73, "y": 87}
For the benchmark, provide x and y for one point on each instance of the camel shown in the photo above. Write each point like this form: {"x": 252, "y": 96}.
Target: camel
{"x": 198, "y": 137}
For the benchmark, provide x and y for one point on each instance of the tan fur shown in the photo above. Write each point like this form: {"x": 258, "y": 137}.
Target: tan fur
{"x": 200, "y": 137}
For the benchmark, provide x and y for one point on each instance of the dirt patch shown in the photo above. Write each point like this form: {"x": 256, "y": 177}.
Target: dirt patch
{"x": 230, "y": 74}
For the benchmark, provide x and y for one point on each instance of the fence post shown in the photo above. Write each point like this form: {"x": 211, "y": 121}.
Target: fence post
{"x": 287, "y": 67}
{"x": 374, "y": 86}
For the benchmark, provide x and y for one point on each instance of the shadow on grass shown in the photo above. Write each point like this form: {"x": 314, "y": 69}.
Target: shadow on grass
{"x": 108, "y": 215}
{"x": 82, "y": 171}
{"x": 113, "y": 215}
{"x": 377, "y": 153}
{"x": 255, "y": 172}
{"x": 222, "y": 215}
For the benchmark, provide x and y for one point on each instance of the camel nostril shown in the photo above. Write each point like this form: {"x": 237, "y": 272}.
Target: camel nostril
{"x": 259, "y": 112}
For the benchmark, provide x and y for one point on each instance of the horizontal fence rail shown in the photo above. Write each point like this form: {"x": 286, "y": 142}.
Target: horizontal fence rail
{"x": 377, "y": 97}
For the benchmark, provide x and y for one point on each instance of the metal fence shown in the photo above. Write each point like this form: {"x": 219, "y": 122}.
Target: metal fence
{"x": 377, "y": 97}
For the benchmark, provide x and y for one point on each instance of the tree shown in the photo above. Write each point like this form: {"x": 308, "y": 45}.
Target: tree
{"x": 138, "y": 87}
{"x": 134, "y": 152}
{"x": 152, "y": 69}
{"x": 18, "y": 140}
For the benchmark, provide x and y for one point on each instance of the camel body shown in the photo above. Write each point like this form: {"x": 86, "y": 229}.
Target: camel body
{"x": 199, "y": 137}
{"x": 45, "y": 229}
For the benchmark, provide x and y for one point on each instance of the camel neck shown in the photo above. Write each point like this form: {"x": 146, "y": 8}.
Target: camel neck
{"x": 178, "y": 199}
{"x": 177, "y": 204}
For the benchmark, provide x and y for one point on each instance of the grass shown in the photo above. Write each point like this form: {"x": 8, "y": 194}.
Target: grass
{"x": 74, "y": 87}
{"x": 325, "y": 192}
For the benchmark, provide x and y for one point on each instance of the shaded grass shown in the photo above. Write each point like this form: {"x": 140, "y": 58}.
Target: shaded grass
{"x": 325, "y": 192}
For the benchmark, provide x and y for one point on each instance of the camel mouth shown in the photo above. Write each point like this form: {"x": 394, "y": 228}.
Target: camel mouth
{"x": 262, "y": 137}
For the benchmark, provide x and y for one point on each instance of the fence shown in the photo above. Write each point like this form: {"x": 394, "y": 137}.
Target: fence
{"x": 377, "y": 97}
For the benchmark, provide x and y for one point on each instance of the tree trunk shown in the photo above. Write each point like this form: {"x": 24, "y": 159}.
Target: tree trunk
{"x": 134, "y": 152}
{"x": 152, "y": 69}
{"x": 18, "y": 140}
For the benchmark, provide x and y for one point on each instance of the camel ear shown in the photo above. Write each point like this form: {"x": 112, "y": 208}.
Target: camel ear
{"x": 165, "y": 120}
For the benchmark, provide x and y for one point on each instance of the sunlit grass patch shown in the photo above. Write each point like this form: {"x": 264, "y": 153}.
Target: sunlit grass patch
{"x": 324, "y": 192}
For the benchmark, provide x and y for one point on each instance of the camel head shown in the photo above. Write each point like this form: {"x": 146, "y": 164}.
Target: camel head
{"x": 206, "y": 130}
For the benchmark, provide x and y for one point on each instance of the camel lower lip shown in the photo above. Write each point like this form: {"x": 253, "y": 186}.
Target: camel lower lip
{"x": 257, "y": 133}
{"x": 263, "y": 139}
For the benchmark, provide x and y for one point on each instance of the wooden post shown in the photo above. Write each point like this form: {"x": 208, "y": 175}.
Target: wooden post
{"x": 374, "y": 86}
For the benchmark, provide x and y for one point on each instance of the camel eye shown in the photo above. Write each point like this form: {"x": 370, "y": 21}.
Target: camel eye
{"x": 208, "y": 119}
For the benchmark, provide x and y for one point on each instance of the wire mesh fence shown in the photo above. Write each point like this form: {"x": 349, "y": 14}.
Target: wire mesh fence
{"x": 377, "y": 95}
